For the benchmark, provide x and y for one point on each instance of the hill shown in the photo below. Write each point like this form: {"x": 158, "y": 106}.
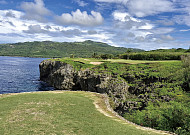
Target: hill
{"x": 60, "y": 49}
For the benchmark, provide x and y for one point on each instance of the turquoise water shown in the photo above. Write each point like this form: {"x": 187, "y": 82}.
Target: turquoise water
{"x": 20, "y": 74}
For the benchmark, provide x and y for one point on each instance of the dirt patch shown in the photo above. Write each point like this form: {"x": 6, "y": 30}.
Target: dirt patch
{"x": 96, "y": 63}
{"x": 101, "y": 110}
{"x": 87, "y": 59}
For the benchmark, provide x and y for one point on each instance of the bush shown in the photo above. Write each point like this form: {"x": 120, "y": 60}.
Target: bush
{"x": 154, "y": 56}
{"x": 173, "y": 116}
{"x": 186, "y": 65}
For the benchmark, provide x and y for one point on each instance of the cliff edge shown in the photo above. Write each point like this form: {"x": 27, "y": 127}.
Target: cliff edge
{"x": 63, "y": 76}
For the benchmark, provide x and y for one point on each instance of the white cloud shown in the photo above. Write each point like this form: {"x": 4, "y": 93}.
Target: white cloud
{"x": 162, "y": 30}
{"x": 185, "y": 30}
{"x": 113, "y": 1}
{"x": 80, "y": 18}
{"x": 126, "y": 21}
{"x": 33, "y": 29}
{"x": 92, "y": 32}
{"x": 183, "y": 19}
{"x": 166, "y": 22}
{"x": 142, "y": 8}
{"x": 167, "y": 37}
{"x": 147, "y": 26}
{"x": 81, "y": 3}
{"x": 123, "y": 17}
{"x": 15, "y": 29}
{"x": 35, "y": 10}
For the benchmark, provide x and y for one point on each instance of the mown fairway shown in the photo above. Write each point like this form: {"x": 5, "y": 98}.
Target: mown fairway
{"x": 57, "y": 113}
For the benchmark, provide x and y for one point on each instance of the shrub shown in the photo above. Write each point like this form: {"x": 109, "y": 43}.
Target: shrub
{"x": 171, "y": 116}
{"x": 186, "y": 65}
{"x": 154, "y": 56}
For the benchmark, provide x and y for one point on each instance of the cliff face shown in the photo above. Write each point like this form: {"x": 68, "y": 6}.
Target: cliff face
{"x": 63, "y": 76}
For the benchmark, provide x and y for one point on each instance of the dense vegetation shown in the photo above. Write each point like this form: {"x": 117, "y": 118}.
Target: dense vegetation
{"x": 159, "y": 91}
{"x": 160, "y": 54}
{"x": 58, "y": 113}
{"x": 56, "y": 49}
{"x": 154, "y": 55}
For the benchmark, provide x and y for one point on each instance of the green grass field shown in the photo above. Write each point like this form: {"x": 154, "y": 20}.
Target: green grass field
{"x": 61, "y": 112}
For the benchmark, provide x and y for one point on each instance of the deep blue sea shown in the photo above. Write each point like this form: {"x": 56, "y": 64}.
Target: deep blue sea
{"x": 20, "y": 74}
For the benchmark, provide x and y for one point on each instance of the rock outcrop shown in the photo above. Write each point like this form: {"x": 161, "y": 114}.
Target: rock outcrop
{"x": 63, "y": 76}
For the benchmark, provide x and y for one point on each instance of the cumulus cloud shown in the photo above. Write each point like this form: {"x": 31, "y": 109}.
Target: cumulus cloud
{"x": 123, "y": 17}
{"x": 33, "y": 29}
{"x": 142, "y": 8}
{"x": 10, "y": 14}
{"x": 80, "y": 18}
{"x": 125, "y": 20}
{"x": 35, "y": 10}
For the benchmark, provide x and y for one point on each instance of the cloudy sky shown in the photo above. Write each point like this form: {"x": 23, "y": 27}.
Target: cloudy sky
{"x": 144, "y": 24}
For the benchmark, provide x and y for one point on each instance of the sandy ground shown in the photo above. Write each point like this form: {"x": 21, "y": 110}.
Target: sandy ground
{"x": 96, "y": 63}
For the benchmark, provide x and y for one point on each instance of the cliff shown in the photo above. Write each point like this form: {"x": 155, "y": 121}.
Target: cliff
{"x": 151, "y": 94}
{"x": 63, "y": 76}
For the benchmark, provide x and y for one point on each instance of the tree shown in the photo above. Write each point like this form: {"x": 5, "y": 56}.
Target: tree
{"x": 72, "y": 56}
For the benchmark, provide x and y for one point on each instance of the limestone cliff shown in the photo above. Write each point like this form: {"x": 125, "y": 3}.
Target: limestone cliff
{"x": 63, "y": 76}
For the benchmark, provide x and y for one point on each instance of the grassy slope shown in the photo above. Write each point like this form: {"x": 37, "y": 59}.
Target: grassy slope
{"x": 59, "y": 113}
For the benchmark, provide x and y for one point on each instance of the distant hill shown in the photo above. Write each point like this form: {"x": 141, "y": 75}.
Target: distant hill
{"x": 172, "y": 50}
{"x": 61, "y": 49}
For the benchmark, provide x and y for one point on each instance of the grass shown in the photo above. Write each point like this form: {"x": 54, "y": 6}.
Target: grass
{"x": 138, "y": 61}
{"x": 89, "y": 60}
{"x": 57, "y": 113}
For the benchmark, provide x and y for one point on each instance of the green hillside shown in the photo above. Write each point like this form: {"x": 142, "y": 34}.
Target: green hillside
{"x": 57, "y": 49}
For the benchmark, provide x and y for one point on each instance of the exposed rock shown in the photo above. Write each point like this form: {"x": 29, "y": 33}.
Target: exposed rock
{"x": 64, "y": 77}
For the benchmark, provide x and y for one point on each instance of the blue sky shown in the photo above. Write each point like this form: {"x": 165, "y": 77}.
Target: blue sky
{"x": 144, "y": 24}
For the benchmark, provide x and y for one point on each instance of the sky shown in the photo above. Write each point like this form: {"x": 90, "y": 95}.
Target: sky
{"x": 143, "y": 24}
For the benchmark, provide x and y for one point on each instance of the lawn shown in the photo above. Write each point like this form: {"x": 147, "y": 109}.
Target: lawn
{"x": 61, "y": 112}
